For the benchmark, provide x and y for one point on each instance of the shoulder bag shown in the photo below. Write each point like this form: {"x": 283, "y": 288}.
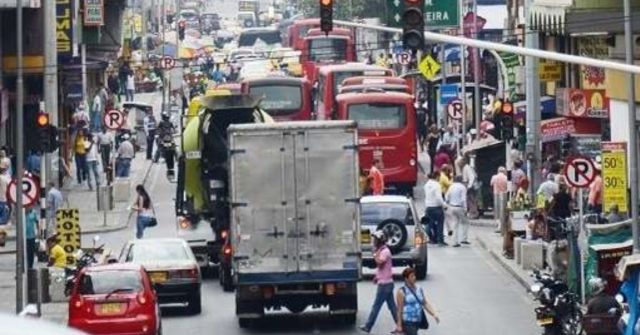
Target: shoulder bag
{"x": 424, "y": 323}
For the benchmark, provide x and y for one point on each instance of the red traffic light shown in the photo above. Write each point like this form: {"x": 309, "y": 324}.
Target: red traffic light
{"x": 42, "y": 119}
{"x": 326, "y": 2}
{"x": 412, "y": 2}
{"x": 507, "y": 108}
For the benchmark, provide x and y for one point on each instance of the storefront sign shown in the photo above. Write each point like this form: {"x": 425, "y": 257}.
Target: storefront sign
{"x": 68, "y": 230}
{"x": 582, "y": 103}
{"x": 593, "y": 47}
{"x": 614, "y": 175}
{"x": 550, "y": 71}
{"x": 93, "y": 13}
{"x": 64, "y": 28}
{"x": 557, "y": 128}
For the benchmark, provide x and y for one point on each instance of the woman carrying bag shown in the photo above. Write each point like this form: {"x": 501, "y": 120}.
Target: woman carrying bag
{"x": 412, "y": 305}
{"x": 146, "y": 212}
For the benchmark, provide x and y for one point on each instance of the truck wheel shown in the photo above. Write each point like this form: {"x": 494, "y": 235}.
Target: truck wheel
{"x": 195, "y": 303}
{"x": 396, "y": 234}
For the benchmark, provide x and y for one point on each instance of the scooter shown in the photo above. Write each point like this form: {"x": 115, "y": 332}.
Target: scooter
{"x": 559, "y": 312}
{"x": 83, "y": 259}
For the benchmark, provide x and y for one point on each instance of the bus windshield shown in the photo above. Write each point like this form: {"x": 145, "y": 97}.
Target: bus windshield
{"x": 378, "y": 115}
{"x": 327, "y": 49}
{"x": 278, "y": 99}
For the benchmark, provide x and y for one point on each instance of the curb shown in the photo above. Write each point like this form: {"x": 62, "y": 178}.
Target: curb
{"x": 94, "y": 230}
{"x": 500, "y": 259}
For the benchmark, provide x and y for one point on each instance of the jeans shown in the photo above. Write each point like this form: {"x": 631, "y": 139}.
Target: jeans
{"x": 31, "y": 252}
{"x": 4, "y": 213}
{"x": 105, "y": 155}
{"x": 151, "y": 138}
{"x": 384, "y": 293}
{"x": 123, "y": 165}
{"x": 81, "y": 167}
{"x": 410, "y": 328}
{"x": 141, "y": 224}
{"x": 436, "y": 223}
{"x": 93, "y": 169}
{"x": 130, "y": 95}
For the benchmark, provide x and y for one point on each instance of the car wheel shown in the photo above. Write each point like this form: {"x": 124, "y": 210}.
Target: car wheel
{"x": 195, "y": 303}
{"x": 396, "y": 234}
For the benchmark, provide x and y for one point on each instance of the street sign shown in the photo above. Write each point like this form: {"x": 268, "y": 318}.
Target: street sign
{"x": 441, "y": 13}
{"x": 166, "y": 63}
{"x": 455, "y": 110}
{"x": 550, "y": 71}
{"x": 113, "y": 119}
{"x": 579, "y": 171}
{"x": 448, "y": 92}
{"x": 429, "y": 67}
{"x": 30, "y": 191}
{"x": 394, "y": 13}
{"x": 614, "y": 175}
{"x": 68, "y": 230}
{"x": 403, "y": 58}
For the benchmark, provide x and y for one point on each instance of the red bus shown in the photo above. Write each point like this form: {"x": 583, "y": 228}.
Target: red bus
{"x": 375, "y": 88}
{"x": 284, "y": 98}
{"x": 387, "y": 131}
{"x": 334, "y": 31}
{"x": 298, "y": 31}
{"x": 364, "y": 80}
{"x": 330, "y": 77}
{"x": 329, "y": 49}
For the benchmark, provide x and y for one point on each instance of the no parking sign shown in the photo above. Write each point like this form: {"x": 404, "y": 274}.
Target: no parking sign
{"x": 30, "y": 191}
{"x": 579, "y": 171}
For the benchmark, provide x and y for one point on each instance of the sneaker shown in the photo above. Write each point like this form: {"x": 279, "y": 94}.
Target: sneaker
{"x": 465, "y": 242}
{"x": 363, "y": 328}
{"x": 457, "y": 245}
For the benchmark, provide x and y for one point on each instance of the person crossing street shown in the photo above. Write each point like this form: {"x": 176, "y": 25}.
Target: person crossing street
{"x": 456, "y": 198}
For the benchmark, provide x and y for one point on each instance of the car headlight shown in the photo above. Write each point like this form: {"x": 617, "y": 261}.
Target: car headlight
{"x": 535, "y": 288}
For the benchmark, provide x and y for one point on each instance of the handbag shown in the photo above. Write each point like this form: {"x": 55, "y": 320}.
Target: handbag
{"x": 153, "y": 222}
{"x": 424, "y": 323}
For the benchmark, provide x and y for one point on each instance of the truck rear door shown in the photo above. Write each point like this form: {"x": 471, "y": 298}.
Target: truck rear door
{"x": 295, "y": 200}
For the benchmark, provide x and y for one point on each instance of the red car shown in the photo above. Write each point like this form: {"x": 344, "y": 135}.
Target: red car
{"x": 114, "y": 299}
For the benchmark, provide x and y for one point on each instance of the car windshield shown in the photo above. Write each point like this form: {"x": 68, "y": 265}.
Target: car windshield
{"x": 105, "y": 282}
{"x": 268, "y": 37}
{"x": 154, "y": 252}
{"x": 328, "y": 49}
{"x": 372, "y": 214}
{"x": 189, "y": 15}
{"x": 278, "y": 99}
{"x": 378, "y": 115}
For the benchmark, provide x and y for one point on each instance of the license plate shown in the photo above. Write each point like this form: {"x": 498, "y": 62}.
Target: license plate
{"x": 158, "y": 277}
{"x": 545, "y": 321}
{"x": 365, "y": 237}
{"x": 110, "y": 308}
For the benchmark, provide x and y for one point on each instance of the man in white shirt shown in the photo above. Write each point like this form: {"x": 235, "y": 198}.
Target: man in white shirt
{"x": 434, "y": 209}
{"x": 92, "y": 163}
{"x": 469, "y": 177}
{"x": 105, "y": 142}
{"x": 456, "y": 198}
{"x": 549, "y": 188}
{"x": 126, "y": 153}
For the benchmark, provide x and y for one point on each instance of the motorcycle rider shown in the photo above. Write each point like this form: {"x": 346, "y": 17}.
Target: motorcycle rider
{"x": 166, "y": 130}
{"x": 601, "y": 302}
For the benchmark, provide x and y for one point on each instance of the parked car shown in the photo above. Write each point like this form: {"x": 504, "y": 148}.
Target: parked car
{"x": 114, "y": 298}
{"x": 172, "y": 268}
{"x": 398, "y": 218}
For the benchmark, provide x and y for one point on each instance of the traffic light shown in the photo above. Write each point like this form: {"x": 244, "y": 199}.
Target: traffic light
{"x": 181, "y": 26}
{"x": 326, "y": 16}
{"x": 506, "y": 118}
{"x": 413, "y": 25}
{"x": 42, "y": 124}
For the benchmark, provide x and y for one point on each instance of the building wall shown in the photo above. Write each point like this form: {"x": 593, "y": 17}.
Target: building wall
{"x": 616, "y": 83}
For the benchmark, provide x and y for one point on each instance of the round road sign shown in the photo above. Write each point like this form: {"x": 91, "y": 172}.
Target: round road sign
{"x": 454, "y": 109}
{"x": 30, "y": 191}
{"x": 113, "y": 119}
{"x": 579, "y": 171}
{"x": 166, "y": 63}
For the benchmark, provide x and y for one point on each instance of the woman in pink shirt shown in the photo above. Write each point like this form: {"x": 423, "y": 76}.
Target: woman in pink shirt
{"x": 384, "y": 280}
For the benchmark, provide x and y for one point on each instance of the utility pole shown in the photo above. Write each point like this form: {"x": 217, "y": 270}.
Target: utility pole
{"x": 50, "y": 86}
{"x": 463, "y": 73}
{"x": 633, "y": 133}
{"x": 477, "y": 105}
{"x": 20, "y": 232}
{"x": 532, "y": 84}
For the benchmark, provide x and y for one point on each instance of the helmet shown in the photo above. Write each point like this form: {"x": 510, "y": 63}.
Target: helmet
{"x": 379, "y": 235}
{"x": 597, "y": 285}
{"x": 165, "y": 116}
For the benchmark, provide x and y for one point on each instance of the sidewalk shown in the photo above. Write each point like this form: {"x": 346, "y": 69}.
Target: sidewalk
{"x": 484, "y": 232}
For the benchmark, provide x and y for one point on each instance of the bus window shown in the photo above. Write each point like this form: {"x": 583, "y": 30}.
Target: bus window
{"x": 327, "y": 49}
{"x": 378, "y": 116}
{"x": 278, "y": 100}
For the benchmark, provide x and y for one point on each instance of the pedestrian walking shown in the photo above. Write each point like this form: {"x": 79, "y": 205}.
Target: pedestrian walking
{"x": 31, "y": 231}
{"x": 97, "y": 111}
{"x": 105, "y": 142}
{"x": 441, "y": 158}
{"x": 456, "y": 198}
{"x": 376, "y": 178}
{"x": 126, "y": 153}
{"x": 131, "y": 86}
{"x": 80, "y": 154}
{"x": 92, "y": 163}
{"x": 433, "y": 138}
{"x": 470, "y": 177}
{"x": 150, "y": 126}
{"x": 144, "y": 208}
{"x": 594, "y": 200}
{"x": 412, "y": 303}
{"x": 383, "y": 279}
{"x": 5, "y": 162}
{"x": 54, "y": 201}
{"x": 33, "y": 162}
{"x": 434, "y": 204}
{"x": 548, "y": 189}
{"x": 449, "y": 139}
{"x": 114, "y": 85}
{"x": 4, "y": 205}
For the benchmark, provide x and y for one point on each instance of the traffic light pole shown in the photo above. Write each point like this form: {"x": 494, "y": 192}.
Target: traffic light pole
{"x": 532, "y": 87}
{"x": 20, "y": 231}
{"x": 50, "y": 78}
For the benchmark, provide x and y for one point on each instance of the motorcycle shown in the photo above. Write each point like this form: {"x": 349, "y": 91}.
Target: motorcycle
{"x": 559, "y": 312}
{"x": 83, "y": 258}
{"x": 167, "y": 149}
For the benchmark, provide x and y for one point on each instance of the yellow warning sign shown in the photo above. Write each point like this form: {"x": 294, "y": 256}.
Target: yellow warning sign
{"x": 68, "y": 229}
{"x": 429, "y": 67}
